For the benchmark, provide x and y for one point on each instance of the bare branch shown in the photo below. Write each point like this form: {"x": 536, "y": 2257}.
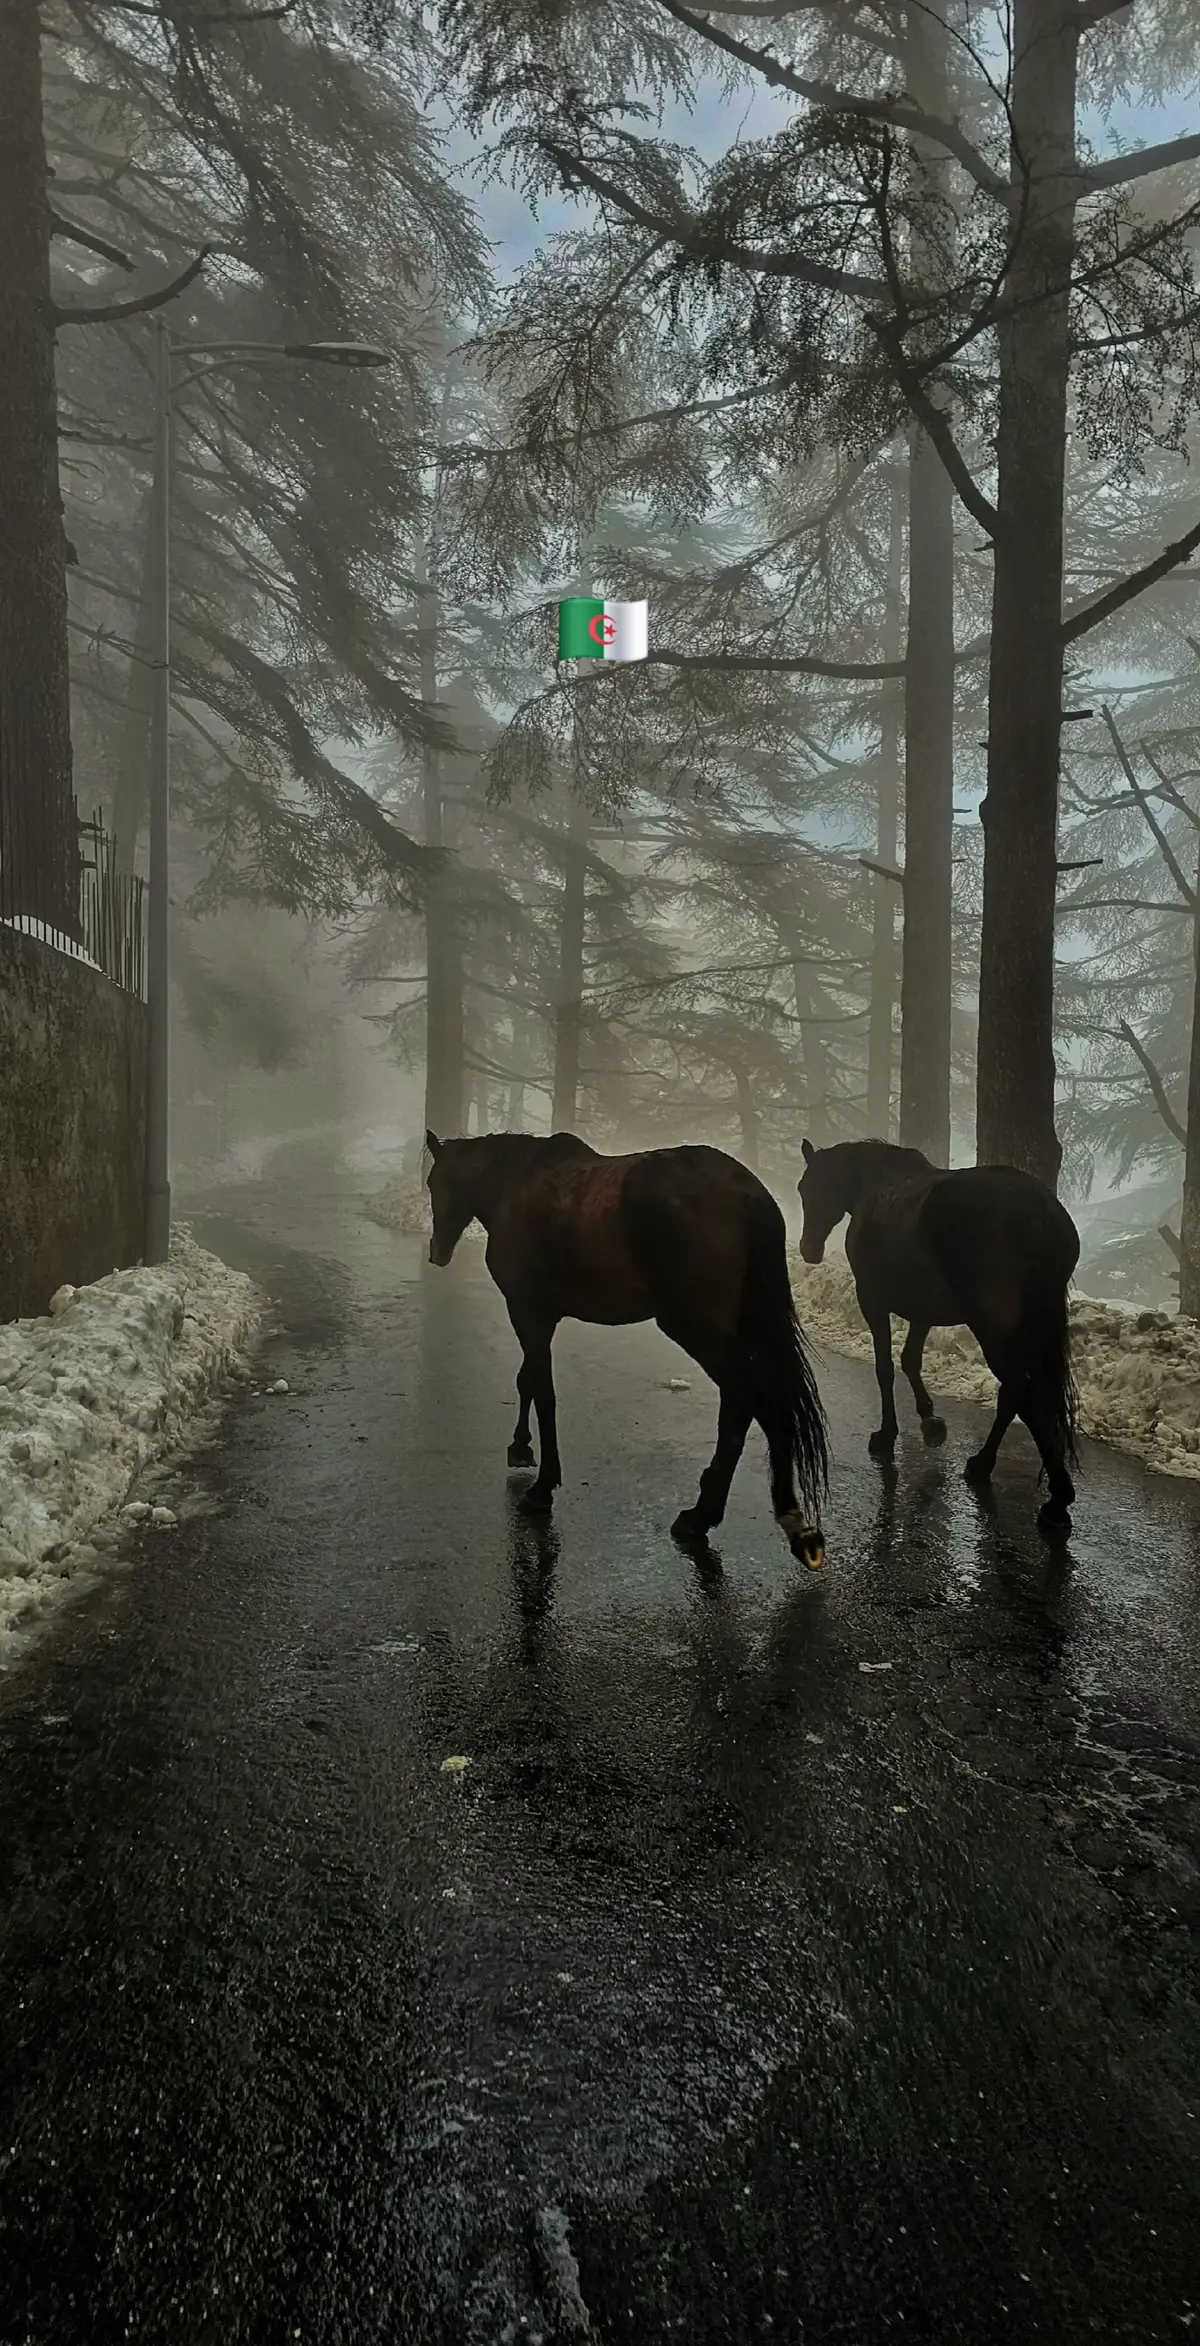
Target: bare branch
{"x": 1165, "y": 848}
{"x": 106, "y": 313}
{"x": 1170, "y": 790}
{"x": 936, "y": 426}
{"x": 684, "y": 229}
{"x": 204, "y": 17}
{"x": 73, "y": 234}
{"x": 899, "y": 111}
{"x": 1120, "y": 169}
{"x": 805, "y": 664}
{"x": 1177, "y": 1130}
{"x": 1088, "y": 615}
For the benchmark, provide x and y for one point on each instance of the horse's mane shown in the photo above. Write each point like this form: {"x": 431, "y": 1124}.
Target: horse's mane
{"x": 883, "y": 1156}
{"x": 514, "y": 1148}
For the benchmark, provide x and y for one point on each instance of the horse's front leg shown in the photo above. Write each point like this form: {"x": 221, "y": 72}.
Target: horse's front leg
{"x": 932, "y": 1426}
{"x": 520, "y": 1449}
{"x": 733, "y": 1425}
{"x": 537, "y": 1381}
{"x": 882, "y": 1443}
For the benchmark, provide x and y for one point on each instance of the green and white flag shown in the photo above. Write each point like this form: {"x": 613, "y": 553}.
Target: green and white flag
{"x": 590, "y": 628}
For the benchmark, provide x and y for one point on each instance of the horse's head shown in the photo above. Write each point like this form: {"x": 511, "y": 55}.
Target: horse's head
{"x": 451, "y": 1194}
{"x": 825, "y": 1194}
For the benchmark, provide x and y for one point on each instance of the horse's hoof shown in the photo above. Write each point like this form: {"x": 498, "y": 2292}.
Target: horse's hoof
{"x": 977, "y": 1469}
{"x": 804, "y": 1540}
{"x": 1054, "y": 1518}
{"x": 881, "y": 1445}
{"x": 538, "y": 1499}
{"x": 934, "y": 1431}
{"x": 690, "y": 1525}
{"x": 520, "y": 1454}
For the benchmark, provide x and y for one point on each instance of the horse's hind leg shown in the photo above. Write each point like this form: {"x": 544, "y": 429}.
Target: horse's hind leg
{"x": 981, "y": 1467}
{"x": 733, "y": 1425}
{"x": 932, "y": 1426}
{"x": 520, "y": 1449}
{"x": 720, "y": 1357}
{"x": 1055, "y": 1512}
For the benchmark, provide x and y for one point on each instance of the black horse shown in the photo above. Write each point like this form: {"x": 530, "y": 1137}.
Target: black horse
{"x": 988, "y": 1248}
{"x": 684, "y": 1236}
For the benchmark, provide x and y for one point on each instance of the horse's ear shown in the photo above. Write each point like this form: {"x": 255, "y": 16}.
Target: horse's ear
{"x": 807, "y": 1151}
{"x": 433, "y": 1145}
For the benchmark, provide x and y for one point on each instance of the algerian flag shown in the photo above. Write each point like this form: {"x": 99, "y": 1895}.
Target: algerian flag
{"x": 590, "y": 628}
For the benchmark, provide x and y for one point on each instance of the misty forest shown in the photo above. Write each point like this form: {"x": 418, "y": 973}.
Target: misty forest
{"x": 861, "y": 340}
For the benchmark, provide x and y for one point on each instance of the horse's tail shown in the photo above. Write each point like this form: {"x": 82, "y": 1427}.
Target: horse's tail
{"x": 1046, "y": 1333}
{"x": 771, "y": 1329}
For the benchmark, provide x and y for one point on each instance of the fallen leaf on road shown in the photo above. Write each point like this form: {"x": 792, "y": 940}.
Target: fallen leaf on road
{"x": 677, "y": 1385}
{"x": 455, "y": 1764}
{"x": 865, "y": 1666}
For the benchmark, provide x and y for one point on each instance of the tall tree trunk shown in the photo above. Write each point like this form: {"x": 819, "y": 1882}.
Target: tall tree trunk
{"x": 131, "y": 792}
{"x": 810, "y": 1000}
{"x": 880, "y": 1038}
{"x": 1015, "y": 1091}
{"x": 479, "y": 1082}
{"x": 516, "y": 1090}
{"x": 925, "y": 985}
{"x": 568, "y": 1021}
{"x": 39, "y": 838}
{"x": 444, "y": 986}
{"x": 1189, "y": 1223}
{"x": 747, "y": 1118}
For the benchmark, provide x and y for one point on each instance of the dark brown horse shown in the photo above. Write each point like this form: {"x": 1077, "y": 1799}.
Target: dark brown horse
{"x": 989, "y": 1249}
{"x": 686, "y": 1237}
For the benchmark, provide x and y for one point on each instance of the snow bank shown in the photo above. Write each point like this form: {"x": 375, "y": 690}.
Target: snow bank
{"x": 403, "y": 1208}
{"x": 90, "y": 1396}
{"x": 1138, "y": 1372}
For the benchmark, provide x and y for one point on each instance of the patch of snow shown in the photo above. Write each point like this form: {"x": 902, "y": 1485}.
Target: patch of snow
{"x": 405, "y": 1207}
{"x": 1138, "y": 1371}
{"x": 89, "y": 1397}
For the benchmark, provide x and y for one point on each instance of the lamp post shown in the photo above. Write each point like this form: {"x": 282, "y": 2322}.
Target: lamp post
{"x": 212, "y": 358}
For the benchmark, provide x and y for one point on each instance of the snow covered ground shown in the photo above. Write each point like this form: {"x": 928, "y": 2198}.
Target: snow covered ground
{"x": 1138, "y": 1372}
{"x": 91, "y": 1395}
{"x": 405, "y": 1208}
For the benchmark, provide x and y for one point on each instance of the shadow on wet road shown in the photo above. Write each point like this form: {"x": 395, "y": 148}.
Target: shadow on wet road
{"x": 824, "y": 1949}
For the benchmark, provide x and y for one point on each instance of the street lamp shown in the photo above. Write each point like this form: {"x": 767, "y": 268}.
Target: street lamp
{"x": 213, "y": 357}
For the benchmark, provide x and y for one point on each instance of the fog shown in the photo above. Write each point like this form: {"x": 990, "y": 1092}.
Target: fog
{"x": 743, "y": 892}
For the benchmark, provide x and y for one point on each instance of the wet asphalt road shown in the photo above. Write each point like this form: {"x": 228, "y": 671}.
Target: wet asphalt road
{"x": 817, "y": 2002}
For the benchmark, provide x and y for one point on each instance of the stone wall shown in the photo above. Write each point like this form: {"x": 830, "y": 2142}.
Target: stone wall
{"x": 72, "y": 1124}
